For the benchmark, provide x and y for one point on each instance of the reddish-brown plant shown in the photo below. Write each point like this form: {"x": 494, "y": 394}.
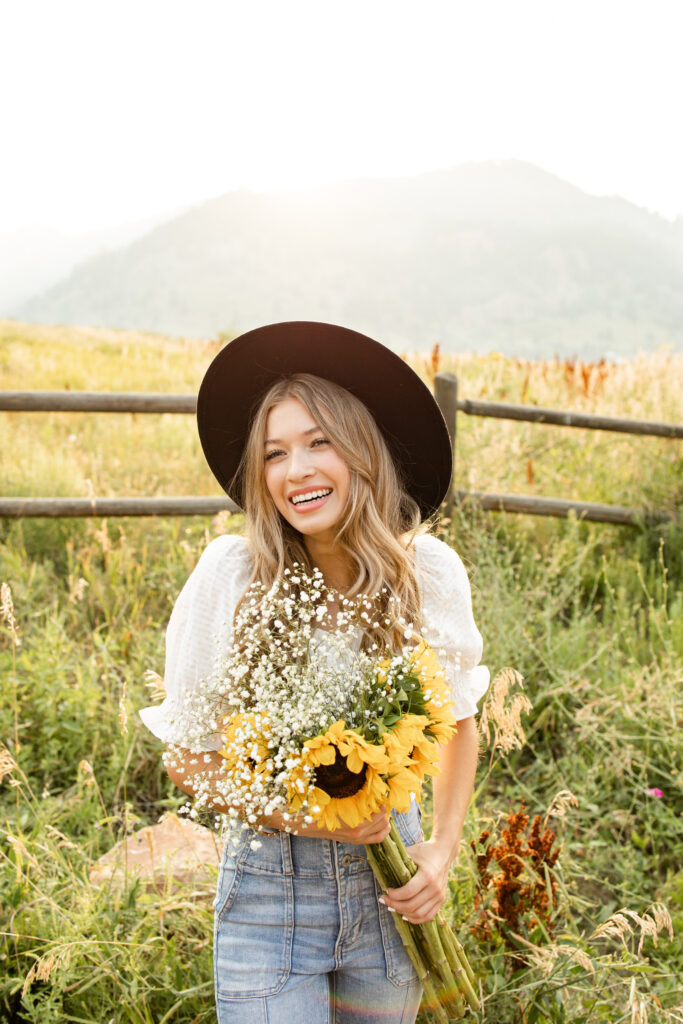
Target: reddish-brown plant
{"x": 520, "y": 893}
{"x": 434, "y": 361}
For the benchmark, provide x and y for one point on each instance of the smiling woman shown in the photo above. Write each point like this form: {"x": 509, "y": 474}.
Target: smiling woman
{"x": 336, "y": 476}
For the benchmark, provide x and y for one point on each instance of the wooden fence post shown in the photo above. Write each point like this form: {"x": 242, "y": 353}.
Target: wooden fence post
{"x": 446, "y": 394}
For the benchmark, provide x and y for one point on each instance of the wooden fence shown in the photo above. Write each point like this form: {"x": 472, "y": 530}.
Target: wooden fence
{"x": 446, "y": 393}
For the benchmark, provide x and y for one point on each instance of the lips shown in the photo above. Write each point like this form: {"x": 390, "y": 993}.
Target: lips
{"x": 310, "y": 499}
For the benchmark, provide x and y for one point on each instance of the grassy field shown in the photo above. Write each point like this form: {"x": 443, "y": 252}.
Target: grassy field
{"x": 574, "y": 926}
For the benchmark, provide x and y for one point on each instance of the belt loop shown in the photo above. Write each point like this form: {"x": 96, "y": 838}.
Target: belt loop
{"x": 286, "y": 848}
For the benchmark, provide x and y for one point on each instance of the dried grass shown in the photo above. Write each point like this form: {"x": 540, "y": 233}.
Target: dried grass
{"x": 123, "y": 712}
{"x": 560, "y": 804}
{"x": 155, "y": 685}
{"x": 44, "y": 967}
{"x": 501, "y": 717}
{"x": 7, "y": 613}
{"x": 7, "y": 764}
{"x": 627, "y": 923}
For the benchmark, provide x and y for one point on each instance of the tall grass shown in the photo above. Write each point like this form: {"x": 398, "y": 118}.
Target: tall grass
{"x": 591, "y": 616}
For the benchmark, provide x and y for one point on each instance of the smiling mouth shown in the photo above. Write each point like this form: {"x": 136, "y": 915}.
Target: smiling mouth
{"x": 310, "y": 497}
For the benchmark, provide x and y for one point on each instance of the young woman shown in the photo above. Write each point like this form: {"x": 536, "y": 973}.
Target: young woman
{"x": 338, "y": 453}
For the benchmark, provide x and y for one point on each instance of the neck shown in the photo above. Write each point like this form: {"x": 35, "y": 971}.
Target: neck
{"x": 332, "y": 562}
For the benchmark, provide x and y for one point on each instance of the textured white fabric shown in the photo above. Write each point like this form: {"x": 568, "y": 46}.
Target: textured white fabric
{"x": 206, "y": 605}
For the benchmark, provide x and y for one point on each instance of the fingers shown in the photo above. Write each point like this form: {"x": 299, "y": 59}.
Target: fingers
{"x": 373, "y": 830}
{"x": 425, "y": 883}
{"x": 427, "y": 912}
{"x": 423, "y": 907}
{"x": 370, "y": 832}
{"x": 409, "y": 891}
{"x": 420, "y": 899}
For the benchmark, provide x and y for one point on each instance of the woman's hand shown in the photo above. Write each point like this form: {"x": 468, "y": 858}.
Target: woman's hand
{"x": 374, "y": 830}
{"x": 421, "y": 898}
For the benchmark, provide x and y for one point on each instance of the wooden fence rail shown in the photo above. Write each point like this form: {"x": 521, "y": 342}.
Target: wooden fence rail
{"x": 95, "y": 401}
{"x": 131, "y": 401}
{"x": 75, "y": 508}
{"x": 446, "y": 393}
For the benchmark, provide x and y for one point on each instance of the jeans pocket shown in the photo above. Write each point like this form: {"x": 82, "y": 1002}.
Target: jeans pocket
{"x": 253, "y": 932}
{"x": 399, "y": 968}
{"x": 233, "y": 851}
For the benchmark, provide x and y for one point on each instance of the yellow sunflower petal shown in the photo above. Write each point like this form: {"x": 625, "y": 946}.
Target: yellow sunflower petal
{"x": 245, "y": 740}
{"x": 359, "y": 752}
{"x": 402, "y": 785}
{"x": 382, "y": 670}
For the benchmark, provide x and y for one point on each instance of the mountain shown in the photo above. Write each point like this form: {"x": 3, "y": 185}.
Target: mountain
{"x": 498, "y": 255}
{"x": 35, "y": 257}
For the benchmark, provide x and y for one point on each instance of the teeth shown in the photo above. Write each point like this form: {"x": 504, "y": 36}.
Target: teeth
{"x": 310, "y": 495}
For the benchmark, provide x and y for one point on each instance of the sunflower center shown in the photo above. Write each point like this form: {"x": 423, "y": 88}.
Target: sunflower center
{"x": 337, "y": 779}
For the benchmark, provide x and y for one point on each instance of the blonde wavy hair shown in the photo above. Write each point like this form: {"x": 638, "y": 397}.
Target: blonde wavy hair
{"x": 379, "y": 522}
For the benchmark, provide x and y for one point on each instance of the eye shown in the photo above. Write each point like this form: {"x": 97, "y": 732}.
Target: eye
{"x": 318, "y": 441}
{"x": 272, "y": 454}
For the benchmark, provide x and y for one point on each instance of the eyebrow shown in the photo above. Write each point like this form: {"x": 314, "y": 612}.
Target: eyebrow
{"x": 276, "y": 440}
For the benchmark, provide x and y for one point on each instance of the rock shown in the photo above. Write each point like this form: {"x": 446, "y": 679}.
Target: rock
{"x": 174, "y": 853}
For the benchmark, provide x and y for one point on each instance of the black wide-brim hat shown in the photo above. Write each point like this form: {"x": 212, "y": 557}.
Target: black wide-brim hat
{"x": 402, "y": 405}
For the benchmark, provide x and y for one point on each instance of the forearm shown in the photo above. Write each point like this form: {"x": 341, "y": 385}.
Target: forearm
{"x": 198, "y": 775}
{"x": 195, "y": 772}
{"x": 421, "y": 898}
{"x": 191, "y": 772}
{"x": 452, "y": 789}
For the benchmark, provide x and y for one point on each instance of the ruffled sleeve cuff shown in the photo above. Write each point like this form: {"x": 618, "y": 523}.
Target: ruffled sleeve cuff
{"x": 156, "y": 718}
{"x": 161, "y": 720}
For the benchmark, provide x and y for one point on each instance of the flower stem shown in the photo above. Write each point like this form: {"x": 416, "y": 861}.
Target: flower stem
{"x": 456, "y": 954}
{"x": 437, "y": 956}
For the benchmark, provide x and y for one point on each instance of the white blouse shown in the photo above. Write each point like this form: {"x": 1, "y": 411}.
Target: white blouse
{"x": 203, "y": 615}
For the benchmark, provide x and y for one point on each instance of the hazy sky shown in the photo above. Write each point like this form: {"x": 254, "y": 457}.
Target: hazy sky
{"x": 112, "y": 111}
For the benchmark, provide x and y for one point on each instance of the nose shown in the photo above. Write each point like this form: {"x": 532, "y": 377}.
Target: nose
{"x": 300, "y": 466}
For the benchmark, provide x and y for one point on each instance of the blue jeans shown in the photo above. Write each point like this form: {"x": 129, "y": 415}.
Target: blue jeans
{"x": 300, "y": 937}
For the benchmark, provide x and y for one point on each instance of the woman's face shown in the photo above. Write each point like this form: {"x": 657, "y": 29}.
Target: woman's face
{"x": 307, "y": 479}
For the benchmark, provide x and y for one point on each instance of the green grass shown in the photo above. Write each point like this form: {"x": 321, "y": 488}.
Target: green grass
{"x": 591, "y": 615}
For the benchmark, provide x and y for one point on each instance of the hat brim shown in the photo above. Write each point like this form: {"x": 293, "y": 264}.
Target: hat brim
{"x": 402, "y": 405}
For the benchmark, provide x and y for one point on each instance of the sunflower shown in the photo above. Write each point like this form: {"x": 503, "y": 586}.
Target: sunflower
{"x": 245, "y": 743}
{"x": 348, "y": 776}
{"x": 409, "y": 746}
{"x": 401, "y": 739}
{"x": 438, "y": 699}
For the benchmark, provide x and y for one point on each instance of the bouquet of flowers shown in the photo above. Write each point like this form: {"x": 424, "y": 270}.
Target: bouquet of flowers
{"x": 319, "y": 722}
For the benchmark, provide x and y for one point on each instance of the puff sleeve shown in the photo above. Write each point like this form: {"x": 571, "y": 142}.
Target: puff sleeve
{"x": 448, "y": 623}
{"x": 202, "y": 614}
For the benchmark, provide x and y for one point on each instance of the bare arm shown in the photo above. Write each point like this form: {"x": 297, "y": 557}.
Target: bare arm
{"x": 182, "y": 769}
{"x": 421, "y": 899}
